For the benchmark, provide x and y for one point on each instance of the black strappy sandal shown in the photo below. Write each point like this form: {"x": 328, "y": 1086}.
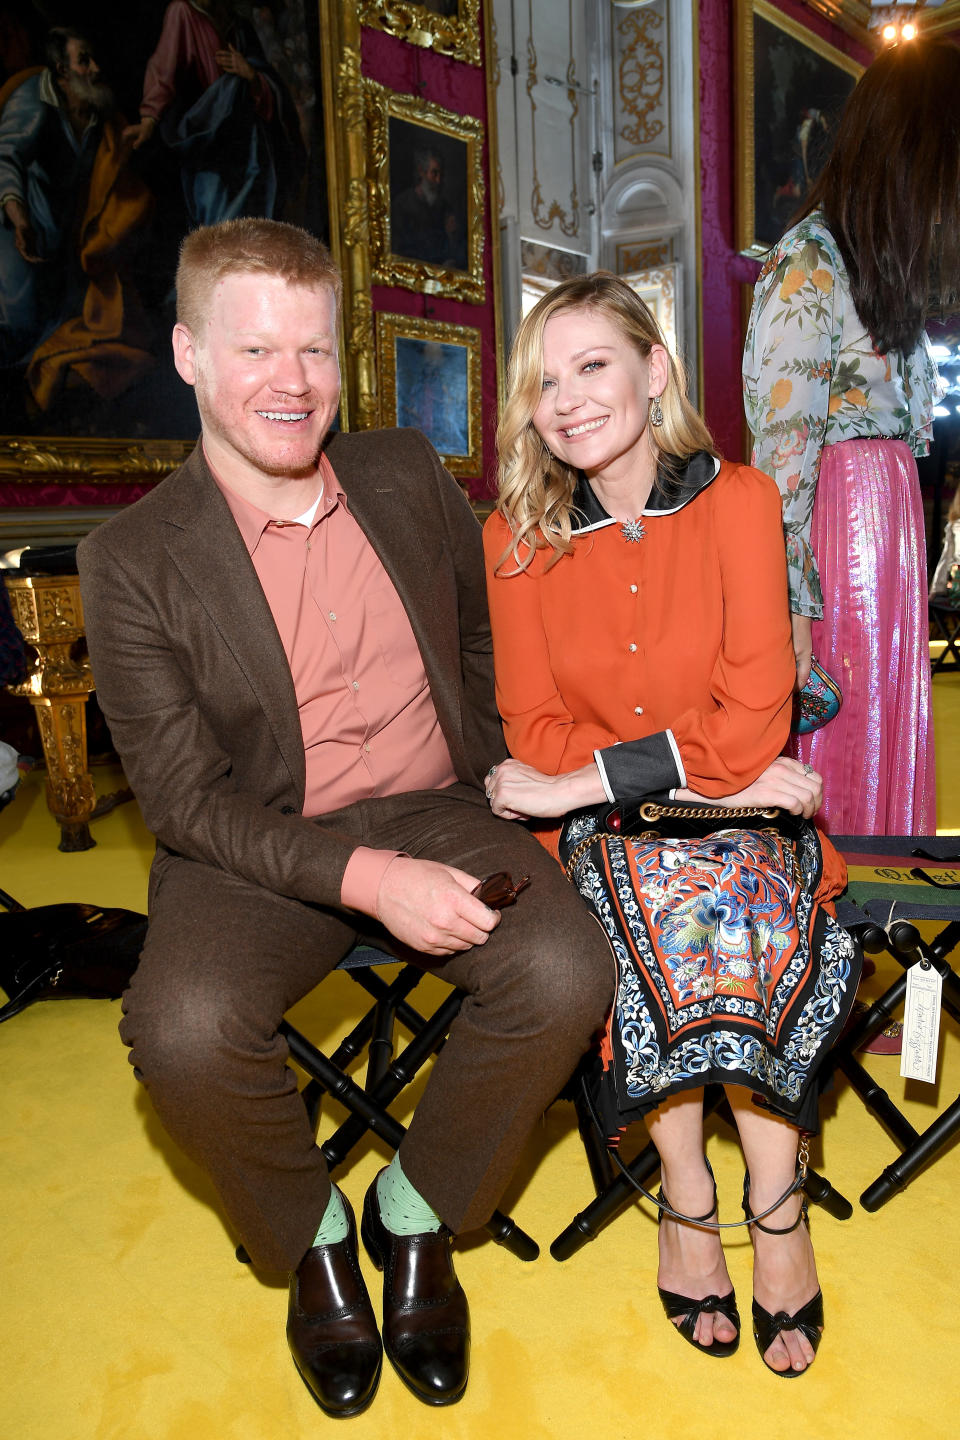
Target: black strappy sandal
{"x": 691, "y": 1310}
{"x": 808, "y": 1319}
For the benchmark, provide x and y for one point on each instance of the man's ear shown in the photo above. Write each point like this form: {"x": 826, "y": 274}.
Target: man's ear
{"x": 184, "y": 354}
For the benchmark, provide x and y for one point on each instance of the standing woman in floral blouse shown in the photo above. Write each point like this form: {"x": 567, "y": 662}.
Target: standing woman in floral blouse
{"x": 839, "y": 386}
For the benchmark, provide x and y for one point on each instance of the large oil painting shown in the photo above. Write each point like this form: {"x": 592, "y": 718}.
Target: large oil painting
{"x": 122, "y": 127}
{"x": 791, "y": 89}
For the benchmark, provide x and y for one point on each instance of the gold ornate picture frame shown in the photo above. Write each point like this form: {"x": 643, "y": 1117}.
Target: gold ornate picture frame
{"x": 790, "y": 86}
{"x": 451, "y": 27}
{"x": 430, "y": 378}
{"x": 426, "y": 195}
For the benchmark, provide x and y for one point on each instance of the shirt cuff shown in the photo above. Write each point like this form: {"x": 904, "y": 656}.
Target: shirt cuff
{"x": 361, "y": 879}
{"x": 598, "y": 757}
{"x": 639, "y": 767}
{"x": 678, "y": 759}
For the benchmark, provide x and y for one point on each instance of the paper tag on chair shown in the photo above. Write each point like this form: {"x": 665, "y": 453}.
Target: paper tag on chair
{"x": 921, "y": 1024}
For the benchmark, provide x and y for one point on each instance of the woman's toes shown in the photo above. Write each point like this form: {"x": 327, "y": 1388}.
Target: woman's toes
{"x": 714, "y": 1327}
{"x": 790, "y": 1351}
{"x": 777, "y": 1357}
{"x": 799, "y": 1349}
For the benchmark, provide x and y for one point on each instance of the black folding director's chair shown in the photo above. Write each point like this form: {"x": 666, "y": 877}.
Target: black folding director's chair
{"x": 917, "y": 879}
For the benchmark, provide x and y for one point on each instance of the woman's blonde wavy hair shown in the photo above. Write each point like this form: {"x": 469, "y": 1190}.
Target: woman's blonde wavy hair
{"x": 535, "y": 488}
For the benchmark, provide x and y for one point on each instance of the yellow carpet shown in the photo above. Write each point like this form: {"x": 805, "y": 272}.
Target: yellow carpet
{"x": 126, "y": 1317}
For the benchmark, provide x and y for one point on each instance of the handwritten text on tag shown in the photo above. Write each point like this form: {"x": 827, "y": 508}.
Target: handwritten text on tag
{"x": 921, "y": 1024}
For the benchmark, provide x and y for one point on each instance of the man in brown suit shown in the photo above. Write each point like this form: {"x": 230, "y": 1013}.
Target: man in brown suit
{"x": 291, "y": 646}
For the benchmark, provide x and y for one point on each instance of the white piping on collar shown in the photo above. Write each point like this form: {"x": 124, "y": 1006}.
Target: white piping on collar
{"x": 652, "y": 514}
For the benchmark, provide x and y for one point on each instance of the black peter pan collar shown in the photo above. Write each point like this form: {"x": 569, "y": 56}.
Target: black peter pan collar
{"x": 673, "y": 488}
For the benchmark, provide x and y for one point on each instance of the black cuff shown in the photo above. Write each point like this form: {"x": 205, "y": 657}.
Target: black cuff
{"x": 638, "y": 767}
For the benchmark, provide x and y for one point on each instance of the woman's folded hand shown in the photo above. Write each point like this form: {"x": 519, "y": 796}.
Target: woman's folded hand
{"x": 785, "y": 782}
{"x": 518, "y": 792}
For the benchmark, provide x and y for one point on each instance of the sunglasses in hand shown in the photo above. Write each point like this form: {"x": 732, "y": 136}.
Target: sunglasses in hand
{"x": 499, "y": 891}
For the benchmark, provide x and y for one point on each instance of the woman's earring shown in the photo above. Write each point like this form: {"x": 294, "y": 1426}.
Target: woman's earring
{"x": 656, "y": 413}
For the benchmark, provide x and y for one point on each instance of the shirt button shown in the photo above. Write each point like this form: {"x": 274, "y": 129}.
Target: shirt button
{"x": 333, "y": 615}
{"x": 367, "y": 749}
{"x": 633, "y": 589}
{"x": 631, "y": 647}
{"x": 356, "y": 684}
{"x": 638, "y": 709}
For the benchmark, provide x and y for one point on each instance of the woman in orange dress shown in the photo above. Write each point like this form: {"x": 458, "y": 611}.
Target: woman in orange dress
{"x": 642, "y": 646}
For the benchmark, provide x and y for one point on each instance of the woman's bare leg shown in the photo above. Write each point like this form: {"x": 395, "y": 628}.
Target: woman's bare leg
{"x": 691, "y": 1257}
{"x": 784, "y": 1269}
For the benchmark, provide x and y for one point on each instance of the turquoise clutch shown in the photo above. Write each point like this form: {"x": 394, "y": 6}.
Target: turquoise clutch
{"x": 818, "y": 702}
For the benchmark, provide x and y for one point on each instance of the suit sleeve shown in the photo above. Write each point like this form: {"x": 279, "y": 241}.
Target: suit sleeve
{"x": 483, "y": 731}
{"x": 179, "y": 771}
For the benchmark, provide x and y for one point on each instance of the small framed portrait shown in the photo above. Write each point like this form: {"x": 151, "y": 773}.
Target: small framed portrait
{"x": 791, "y": 89}
{"x": 451, "y": 27}
{"x": 430, "y": 379}
{"x": 426, "y": 192}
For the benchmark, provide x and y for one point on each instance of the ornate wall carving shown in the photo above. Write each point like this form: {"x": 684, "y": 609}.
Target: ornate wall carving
{"x": 639, "y": 60}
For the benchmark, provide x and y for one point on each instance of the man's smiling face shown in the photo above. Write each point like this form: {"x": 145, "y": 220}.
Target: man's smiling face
{"x": 265, "y": 370}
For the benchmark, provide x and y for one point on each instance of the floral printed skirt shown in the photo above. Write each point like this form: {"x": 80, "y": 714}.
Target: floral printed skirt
{"x": 729, "y": 972}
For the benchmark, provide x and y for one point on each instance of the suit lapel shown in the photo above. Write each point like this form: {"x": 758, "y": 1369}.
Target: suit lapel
{"x": 207, "y": 549}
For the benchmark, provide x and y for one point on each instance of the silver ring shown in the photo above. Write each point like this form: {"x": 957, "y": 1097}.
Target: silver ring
{"x": 491, "y": 771}
{"x": 808, "y": 769}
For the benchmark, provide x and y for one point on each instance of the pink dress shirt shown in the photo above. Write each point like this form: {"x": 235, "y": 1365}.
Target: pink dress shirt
{"x": 368, "y": 719}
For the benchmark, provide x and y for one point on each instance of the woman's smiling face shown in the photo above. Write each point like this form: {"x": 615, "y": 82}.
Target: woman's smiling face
{"x": 595, "y": 400}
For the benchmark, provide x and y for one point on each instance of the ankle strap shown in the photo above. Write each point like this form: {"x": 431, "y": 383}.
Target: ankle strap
{"x": 663, "y": 1205}
{"x": 773, "y": 1229}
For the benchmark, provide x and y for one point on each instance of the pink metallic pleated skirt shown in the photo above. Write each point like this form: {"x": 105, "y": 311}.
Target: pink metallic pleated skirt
{"x": 876, "y": 757}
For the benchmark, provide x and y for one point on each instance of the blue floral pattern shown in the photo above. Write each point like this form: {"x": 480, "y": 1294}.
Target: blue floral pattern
{"x": 727, "y": 971}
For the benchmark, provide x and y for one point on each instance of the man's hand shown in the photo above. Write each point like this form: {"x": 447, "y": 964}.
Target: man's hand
{"x": 24, "y": 236}
{"x": 136, "y": 136}
{"x": 429, "y": 906}
{"x": 518, "y": 792}
{"x": 785, "y": 783}
{"x": 802, "y": 646}
{"x": 231, "y": 62}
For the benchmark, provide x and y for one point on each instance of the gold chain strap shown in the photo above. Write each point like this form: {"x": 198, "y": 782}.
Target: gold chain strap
{"x": 650, "y": 811}
{"x": 581, "y": 847}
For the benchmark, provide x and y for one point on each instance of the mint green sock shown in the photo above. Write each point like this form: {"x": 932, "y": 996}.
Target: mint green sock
{"x": 334, "y": 1226}
{"x": 403, "y": 1210}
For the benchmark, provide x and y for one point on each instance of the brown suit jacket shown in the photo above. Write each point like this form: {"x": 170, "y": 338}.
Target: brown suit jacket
{"x": 194, "y": 683}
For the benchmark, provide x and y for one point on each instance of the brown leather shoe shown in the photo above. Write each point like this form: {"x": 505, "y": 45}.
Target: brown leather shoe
{"x": 426, "y": 1320}
{"x": 331, "y": 1331}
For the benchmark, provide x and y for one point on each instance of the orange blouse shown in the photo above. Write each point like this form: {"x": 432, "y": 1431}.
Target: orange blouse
{"x": 687, "y": 629}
